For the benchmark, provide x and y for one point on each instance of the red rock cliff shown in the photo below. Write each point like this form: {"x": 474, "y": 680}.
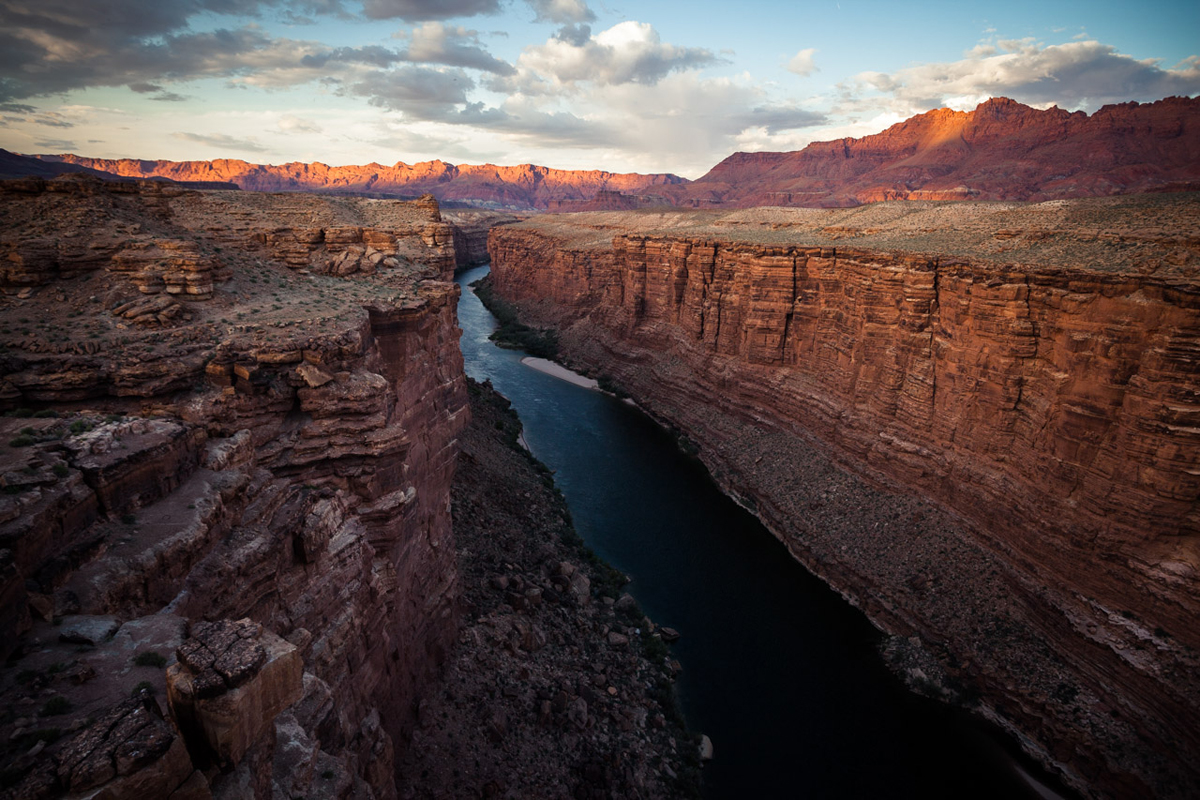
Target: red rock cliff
{"x": 525, "y": 186}
{"x": 1002, "y": 150}
{"x": 1051, "y": 409}
{"x": 241, "y": 470}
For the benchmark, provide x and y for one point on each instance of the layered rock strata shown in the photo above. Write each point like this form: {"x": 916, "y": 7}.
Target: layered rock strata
{"x": 1001, "y": 150}
{"x": 1033, "y": 378}
{"x": 252, "y": 492}
{"x": 470, "y": 229}
{"x": 520, "y": 187}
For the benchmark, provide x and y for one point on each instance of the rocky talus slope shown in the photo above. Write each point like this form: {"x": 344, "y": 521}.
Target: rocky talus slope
{"x": 978, "y": 422}
{"x": 227, "y": 563}
{"x": 559, "y": 685}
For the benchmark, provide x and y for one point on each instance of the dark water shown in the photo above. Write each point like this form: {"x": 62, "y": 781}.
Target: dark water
{"x": 778, "y": 670}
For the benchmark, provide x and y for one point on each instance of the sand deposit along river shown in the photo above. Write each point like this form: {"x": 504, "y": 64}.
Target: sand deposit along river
{"x": 778, "y": 669}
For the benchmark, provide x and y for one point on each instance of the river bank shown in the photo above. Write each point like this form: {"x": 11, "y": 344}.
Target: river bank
{"x": 557, "y": 686}
{"x": 774, "y": 662}
{"x": 908, "y": 426}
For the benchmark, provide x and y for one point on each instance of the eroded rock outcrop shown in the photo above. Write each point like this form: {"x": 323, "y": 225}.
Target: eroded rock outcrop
{"x": 227, "y": 562}
{"x": 1045, "y": 397}
{"x": 470, "y": 231}
{"x": 259, "y": 486}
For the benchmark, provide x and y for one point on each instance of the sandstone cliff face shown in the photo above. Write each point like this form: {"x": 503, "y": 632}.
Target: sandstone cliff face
{"x": 526, "y": 186}
{"x": 253, "y": 490}
{"x": 1002, "y": 150}
{"x": 470, "y": 231}
{"x": 605, "y": 200}
{"x": 1051, "y": 408}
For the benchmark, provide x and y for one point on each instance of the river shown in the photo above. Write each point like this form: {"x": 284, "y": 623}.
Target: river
{"x": 778, "y": 669}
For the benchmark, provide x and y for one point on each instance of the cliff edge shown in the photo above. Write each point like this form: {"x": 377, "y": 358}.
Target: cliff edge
{"x": 977, "y": 421}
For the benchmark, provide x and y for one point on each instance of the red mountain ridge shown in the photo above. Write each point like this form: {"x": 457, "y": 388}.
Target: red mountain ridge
{"x": 1003, "y": 150}
{"x": 525, "y": 186}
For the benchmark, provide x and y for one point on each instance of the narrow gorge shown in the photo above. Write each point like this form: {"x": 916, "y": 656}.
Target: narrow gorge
{"x": 232, "y": 551}
{"x": 977, "y": 422}
{"x": 261, "y": 537}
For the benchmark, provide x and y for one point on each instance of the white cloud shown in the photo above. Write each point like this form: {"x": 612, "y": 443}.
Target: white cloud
{"x": 434, "y": 43}
{"x": 759, "y": 138}
{"x": 290, "y": 123}
{"x": 683, "y": 120}
{"x": 1076, "y": 75}
{"x": 562, "y": 11}
{"x": 223, "y": 141}
{"x": 802, "y": 63}
{"x": 629, "y": 52}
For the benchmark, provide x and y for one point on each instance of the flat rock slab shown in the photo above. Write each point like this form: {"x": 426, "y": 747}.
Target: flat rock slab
{"x": 88, "y": 630}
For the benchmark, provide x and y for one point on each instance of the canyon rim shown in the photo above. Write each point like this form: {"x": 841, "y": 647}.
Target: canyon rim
{"x": 934, "y": 323}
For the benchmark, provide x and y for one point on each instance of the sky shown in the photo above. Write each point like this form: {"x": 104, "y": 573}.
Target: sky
{"x": 648, "y": 86}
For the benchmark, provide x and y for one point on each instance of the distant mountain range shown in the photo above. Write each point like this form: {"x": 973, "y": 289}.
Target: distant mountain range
{"x": 1002, "y": 150}
{"x": 523, "y": 187}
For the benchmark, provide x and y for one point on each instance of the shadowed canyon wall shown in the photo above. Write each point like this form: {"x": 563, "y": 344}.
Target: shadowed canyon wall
{"x": 246, "y": 481}
{"x": 1050, "y": 408}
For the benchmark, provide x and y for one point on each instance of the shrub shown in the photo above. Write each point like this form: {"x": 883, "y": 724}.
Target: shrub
{"x": 150, "y": 658}
{"x": 55, "y": 706}
{"x": 512, "y": 333}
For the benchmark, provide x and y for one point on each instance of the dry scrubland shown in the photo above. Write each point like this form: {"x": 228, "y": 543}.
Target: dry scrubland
{"x": 1148, "y": 235}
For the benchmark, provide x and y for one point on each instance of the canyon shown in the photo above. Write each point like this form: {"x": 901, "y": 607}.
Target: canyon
{"x": 260, "y": 536}
{"x": 227, "y": 528}
{"x": 975, "y": 420}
